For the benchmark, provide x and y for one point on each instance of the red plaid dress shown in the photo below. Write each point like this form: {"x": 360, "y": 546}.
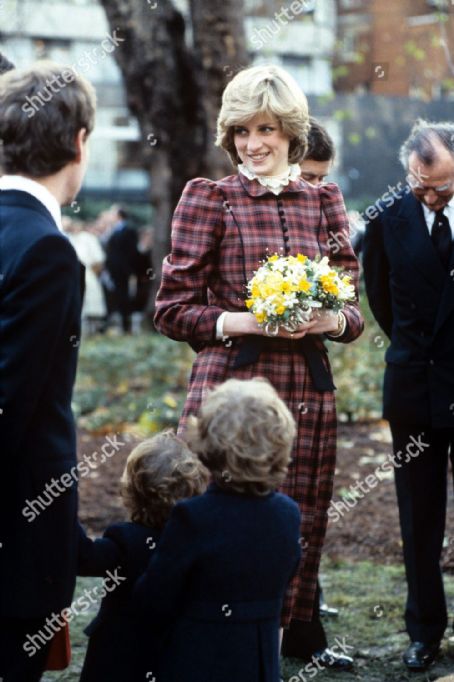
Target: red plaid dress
{"x": 220, "y": 233}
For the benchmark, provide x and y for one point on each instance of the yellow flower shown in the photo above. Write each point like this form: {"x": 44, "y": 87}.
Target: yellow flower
{"x": 346, "y": 280}
{"x": 249, "y": 302}
{"x": 273, "y": 259}
{"x": 260, "y": 317}
{"x": 264, "y": 291}
{"x": 255, "y": 288}
{"x": 286, "y": 287}
{"x": 274, "y": 279}
{"x": 279, "y": 304}
{"x": 301, "y": 258}
{"x": 328, "y": 285}
{"x": 304, "y": 285}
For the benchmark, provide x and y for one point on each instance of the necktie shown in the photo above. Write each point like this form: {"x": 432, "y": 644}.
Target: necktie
{"x": 442, "y": 237}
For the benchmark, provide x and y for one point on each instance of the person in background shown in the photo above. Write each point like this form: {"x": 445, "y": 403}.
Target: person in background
{"x": 408, "y": 267}
{"x": 5, "y": 64}
{"x": 121, "y": 263}
{"x": 145, "y": 276}
{"x": 319, "y": 158}
{"x": 159, "y": 472}
{"x": 218, "y": 576}
{"x": 90, "y": 254}
{"x": 316, "y": 166}
{"x": 44, "y": 158}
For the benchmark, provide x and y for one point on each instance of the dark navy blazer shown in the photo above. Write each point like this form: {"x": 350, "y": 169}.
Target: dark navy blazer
{"x": 218, "y": 577}
{"x": 412, "y": 299}
{"x": 121, "y": 647}
{"x": 40, "y": 305}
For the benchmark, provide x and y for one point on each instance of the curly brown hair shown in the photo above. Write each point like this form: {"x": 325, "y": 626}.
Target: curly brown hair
{"x": 159, "y": 472}
{"x": 244, "y": 435}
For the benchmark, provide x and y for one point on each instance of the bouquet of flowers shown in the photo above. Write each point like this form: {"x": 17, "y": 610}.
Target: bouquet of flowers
{"x": 285, "y": 290}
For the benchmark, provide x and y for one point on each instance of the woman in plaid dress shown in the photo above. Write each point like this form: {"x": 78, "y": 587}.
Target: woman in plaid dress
{"x": 221, "y": 231}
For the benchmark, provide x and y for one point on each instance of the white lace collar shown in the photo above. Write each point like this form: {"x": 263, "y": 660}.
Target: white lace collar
{"x": 275, "y": 183}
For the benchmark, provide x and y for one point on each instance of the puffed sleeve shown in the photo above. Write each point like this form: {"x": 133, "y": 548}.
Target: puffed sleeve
{"x": 342, "y": 255}
{"x": 183, "y": 311}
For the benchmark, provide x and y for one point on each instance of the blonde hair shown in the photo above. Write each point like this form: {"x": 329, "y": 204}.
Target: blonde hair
{"x": 244, "y": 435}
{"x": 270, "y": 90}
{"x": 159, "y": 472}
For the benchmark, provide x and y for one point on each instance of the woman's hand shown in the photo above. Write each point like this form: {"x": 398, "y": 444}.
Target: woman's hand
{"x": 302, "y": 330}
{"x": 326, "y": 321}
{"x": 238, "y": 324}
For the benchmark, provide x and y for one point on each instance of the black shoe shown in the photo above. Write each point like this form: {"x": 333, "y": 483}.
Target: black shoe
{"x": 332, "y": 661}
{"x": 419, "y": 656}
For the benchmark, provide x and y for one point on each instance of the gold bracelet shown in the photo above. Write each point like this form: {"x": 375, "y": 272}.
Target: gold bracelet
{"x": 341, "y": 325}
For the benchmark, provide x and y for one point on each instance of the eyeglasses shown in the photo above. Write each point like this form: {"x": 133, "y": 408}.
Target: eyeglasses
{"x": 423, "y": 189}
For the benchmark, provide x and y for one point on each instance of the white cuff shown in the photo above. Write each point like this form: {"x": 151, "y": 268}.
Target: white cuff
{"x": 220, "y": 326}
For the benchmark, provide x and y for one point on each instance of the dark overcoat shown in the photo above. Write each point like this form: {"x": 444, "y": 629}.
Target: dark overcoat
{"x": 40, "y": 304}
{"x": 220, "y": 233}
{"x": 219, "y": 576}
{"x": 121, "y": 647}
{"x": 412, "y": 298}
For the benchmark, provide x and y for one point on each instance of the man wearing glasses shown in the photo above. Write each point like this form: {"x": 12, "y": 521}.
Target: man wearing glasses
{"x": 409, "y": 273}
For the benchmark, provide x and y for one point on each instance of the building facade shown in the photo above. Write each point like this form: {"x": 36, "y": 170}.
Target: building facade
{"x": 300, "y": 36}
{"x": 76, "y": 33}
{"x": 403, "y": 48}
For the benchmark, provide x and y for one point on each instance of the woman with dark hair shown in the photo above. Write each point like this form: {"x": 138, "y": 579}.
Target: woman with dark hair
{"x": 221, "y": 232}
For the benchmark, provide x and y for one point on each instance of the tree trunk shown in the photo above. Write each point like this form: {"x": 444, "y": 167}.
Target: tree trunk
{"x": 175, "y": 94}
{"x": 220, "y": 49}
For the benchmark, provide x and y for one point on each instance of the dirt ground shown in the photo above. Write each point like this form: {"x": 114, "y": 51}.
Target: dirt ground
{"x": 368, "y": 531}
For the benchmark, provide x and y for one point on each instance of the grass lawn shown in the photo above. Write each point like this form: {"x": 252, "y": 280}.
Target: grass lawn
{"x": 370, "y": 598}
{"x": 137, "y": 385}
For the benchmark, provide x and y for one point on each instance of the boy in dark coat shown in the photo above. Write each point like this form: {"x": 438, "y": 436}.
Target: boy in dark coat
{"x": 158, "y": 472}
{"x": 225, "y": 559}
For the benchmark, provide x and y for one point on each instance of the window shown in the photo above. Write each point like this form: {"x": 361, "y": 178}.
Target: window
{"x": 351, "y": 4}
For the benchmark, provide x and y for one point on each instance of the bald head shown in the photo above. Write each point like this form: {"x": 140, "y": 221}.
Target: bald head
{"x": 427, "y": 140}
{"x": 431, "y": 172}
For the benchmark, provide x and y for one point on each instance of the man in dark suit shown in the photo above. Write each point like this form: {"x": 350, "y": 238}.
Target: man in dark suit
{"x": 122, "y": 258}
{"x": 409, "y": 272}
{"x": 46, "y": 115}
